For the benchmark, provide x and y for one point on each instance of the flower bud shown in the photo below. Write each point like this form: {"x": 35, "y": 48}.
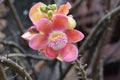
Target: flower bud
{"x": 53, "y": 6}
{"x": 43, "y": 8}
{"x": 71, "y": 23}
{"x": 50, "y": 13}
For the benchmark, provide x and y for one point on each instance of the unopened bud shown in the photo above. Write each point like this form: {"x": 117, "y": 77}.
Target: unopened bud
{"x": 53, "y": 6}
{"x": 43, "y": 8}
{"x": 50, "y": 13}
{"x": 71, "y": 23}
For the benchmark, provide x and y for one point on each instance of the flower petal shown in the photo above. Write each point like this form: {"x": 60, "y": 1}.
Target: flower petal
{"x": 60, "y": 22}
{"x": 74, "y": 35}
{"x": 32, "y": 28}
{"x": 38, "y": 42}
{"x": 35, "y": 14}
{"x": 51, "y": 53}
{"x": 28, "y": 35}
{"x": 45, "y": 26}
{"x": 64, "y": 9}
{"x": 69, "y": 53}
{"x": 35, "y": 7}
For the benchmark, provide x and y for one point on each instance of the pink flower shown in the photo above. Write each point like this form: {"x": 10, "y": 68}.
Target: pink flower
{"x": 55, "y": 38}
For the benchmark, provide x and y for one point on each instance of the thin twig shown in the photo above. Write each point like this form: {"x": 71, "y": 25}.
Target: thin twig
{"x": 113, "y": 51}
{"x": 30, "y": 56}
{"x": 32, "y": 68}
{"x": 60, "y": 68}
{"x": 95, "y": 70}
{"x": 2, "y": 73}
{"x": 97, "y": 58}
{"x": 15, "y": 15}
{"x": 101, "y": 68}
{"x": 66, "y": 72}
{"x": 81, "y": 69}
{"x": 15, "y": 67}
{"x": 93, "y": 45}
{"x": 11, "y": 43}
{"x": 108, "y": 4}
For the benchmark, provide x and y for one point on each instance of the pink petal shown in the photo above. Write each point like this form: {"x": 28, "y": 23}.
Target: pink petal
{"x": 45, "y": 26}
{"x": 35, "y": 14}
{"x": 60, "y": 22}
{"x": 28, "y": 35}
{"x": 74, "y": 35}
{"x": 32, "y": 28}
{"x": 69, "y": 53}
{"x": 35, "y": 7}
{"x": 51, "y": 53}
{"x": 38, "y": 42}
{"x": 64, "y": 9}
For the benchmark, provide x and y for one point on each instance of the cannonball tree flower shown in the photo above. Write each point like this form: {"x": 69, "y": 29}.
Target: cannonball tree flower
{"x": 55, "y": 38}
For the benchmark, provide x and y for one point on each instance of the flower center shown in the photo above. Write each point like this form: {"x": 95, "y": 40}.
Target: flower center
{"x": 57, "y": 40}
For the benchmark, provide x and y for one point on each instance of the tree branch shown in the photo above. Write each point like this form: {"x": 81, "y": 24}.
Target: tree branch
{"x": 81, "y": 70}
{"x": 15, "y": 67}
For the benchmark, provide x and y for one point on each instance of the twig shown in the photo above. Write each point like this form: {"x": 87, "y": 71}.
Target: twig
{"x": 11, "y": 43}
{"x": 39, "y": 65}
{"x": 2, "y": 73}
{"x": 109, "y": 56}
{"x": 60, "y": 68}
{"x": 76, "y": 5}
{"x": 93, "y": 45}
{"x": 101, "y": 68}
{"x": 32, "y": 68}
{"x": 81, "y": 69}
{"x": 66, "y": 72}
{"x": 106, "y": 18}
{"x": 15, "y": 67}
{"x": 30, "y": 56}
{"x": 15, "y": 15}
{"x": 108, "y": 4}
{"x": 96, "y": 58}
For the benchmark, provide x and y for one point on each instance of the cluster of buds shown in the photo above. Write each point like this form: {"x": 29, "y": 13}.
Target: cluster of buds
{"x": 53, "y": 31}
{"x": 48, "y": 9}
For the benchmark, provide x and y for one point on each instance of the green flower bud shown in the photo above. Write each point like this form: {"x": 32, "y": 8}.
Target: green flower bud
{"x": 53, "y": 6}
{"x": 43, "y": 8}
{"x": 50, "y": 13}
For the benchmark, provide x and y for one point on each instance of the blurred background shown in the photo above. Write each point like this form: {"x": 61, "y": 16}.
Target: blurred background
{"x": 101, "y": 53}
